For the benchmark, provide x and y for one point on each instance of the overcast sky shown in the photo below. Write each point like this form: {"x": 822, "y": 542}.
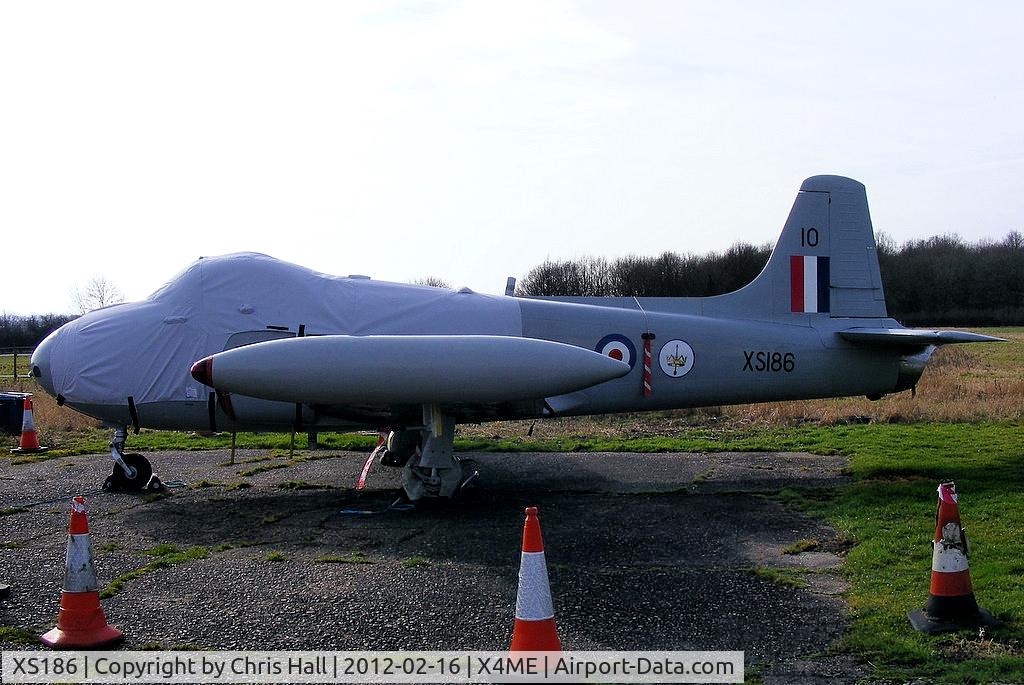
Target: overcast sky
{"x": 471, "y": 140}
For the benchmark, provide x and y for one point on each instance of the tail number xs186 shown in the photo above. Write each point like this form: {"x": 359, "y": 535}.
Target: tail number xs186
{"x": 772, "y": 362}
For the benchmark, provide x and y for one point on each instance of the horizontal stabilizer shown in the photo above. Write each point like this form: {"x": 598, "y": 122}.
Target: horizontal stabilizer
{"x": 911, "y": 337}
{"x": 406, "y": 369}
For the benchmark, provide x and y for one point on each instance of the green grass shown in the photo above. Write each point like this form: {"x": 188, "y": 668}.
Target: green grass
{"x": 703, "y": 476}
{"x": 7, "y": 365}
{"x": 96, "y": 440}
{"x": 787, "y": 577}
{"x": 1005, "y": 356}
{"x": 415, "y": 561}
{"x": 161, "y": 550}
{"x": 18, "y": 636}
{"x": 276, "y": 556}
{"x": 817, "y": 439}
{"x": 257, "y": 459}
{"x": 890, "y": 508}
{"x": 11, "y": 511}
{"x": 356, "y": 557}
{"x": 800, "y": 546}
{"x": 262, "y": 469}
{"x": 271, "y": 519}
{"x": 164, "y": 556}
{"x": 225, "y": 546}
{"x": 299, "y": 485}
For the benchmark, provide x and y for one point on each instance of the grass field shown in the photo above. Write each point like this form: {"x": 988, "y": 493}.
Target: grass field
{"x": 966, "y": 423}
{"x": 7, "y": 366}
{"x": 889, "y": 512}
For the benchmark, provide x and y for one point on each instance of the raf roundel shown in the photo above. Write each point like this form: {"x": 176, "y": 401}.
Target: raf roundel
{"x": 617, "y": 347}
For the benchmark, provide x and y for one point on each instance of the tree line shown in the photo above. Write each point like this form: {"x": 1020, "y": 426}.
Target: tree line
{"x": 943, "y": 281}
{"x": 28, "y": 331}
{"x": 937, "y": 281}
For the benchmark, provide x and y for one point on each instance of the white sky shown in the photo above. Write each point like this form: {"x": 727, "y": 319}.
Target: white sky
{"x": 472, "y": 140}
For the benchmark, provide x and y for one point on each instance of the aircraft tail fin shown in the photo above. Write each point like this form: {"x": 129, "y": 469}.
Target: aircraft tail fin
{"x": 825, "y": 263}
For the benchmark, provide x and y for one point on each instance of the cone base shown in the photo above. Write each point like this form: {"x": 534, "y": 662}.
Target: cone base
{"x": 29, "y": 450}
{"x": 923, "y": 623}
{"x": 80, "y": 623}
{"x": 77, "y": 639}
{"x": 535, "y": 636}
{"x": 950, "y": 608}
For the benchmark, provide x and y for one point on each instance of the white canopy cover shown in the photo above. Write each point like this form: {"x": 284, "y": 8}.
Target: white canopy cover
{"x": 153, "y": 343}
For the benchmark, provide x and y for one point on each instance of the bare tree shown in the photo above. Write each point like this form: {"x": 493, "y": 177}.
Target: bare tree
{"x": 98, "y": 292}
{"x": 432, "y": 281}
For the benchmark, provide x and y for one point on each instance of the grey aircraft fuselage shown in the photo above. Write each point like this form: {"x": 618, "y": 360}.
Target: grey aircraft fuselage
{"x": 732, "y": 362}
{"x": 812, "y": 324}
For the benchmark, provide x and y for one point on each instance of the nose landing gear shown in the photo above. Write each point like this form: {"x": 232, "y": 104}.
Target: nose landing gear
{"x": 432, "y": 470}
{"x": 131, "y": 471}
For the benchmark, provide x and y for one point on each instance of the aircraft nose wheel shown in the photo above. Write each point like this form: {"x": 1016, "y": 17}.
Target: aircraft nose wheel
{"x": 119, "y": 480}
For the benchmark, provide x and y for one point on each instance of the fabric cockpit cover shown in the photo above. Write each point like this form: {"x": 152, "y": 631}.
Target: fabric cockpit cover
{"x": 148, "y": 347}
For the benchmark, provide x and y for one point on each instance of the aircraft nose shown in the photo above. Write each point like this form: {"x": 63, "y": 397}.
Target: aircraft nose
{"x": 41, "y": 366}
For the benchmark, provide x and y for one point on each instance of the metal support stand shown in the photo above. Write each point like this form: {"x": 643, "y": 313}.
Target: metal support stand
{"x": 117, "y": 451}
{"x": 434, "y": 471}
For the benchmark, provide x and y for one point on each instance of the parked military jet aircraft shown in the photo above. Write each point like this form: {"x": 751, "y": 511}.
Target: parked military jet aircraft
{"x": 276, "y": 347}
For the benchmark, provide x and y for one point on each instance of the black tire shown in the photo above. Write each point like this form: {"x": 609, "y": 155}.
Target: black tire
{"x": 143, "y": 472}
{"x": 401, "y": 445}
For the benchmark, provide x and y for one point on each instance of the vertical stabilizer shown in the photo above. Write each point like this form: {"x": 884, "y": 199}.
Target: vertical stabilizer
{"x": 825, "y": 263}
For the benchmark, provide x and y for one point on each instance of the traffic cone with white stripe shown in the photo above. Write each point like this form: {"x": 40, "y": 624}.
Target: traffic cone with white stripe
{"x": 29, "y": 443}
{"x": 951, "y": 604}
{"x": 534, "y": 629}
{"x": 81, "y": 622}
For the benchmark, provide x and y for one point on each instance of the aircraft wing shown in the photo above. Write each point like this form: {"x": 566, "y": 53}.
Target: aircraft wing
{"x": 911, "y": 337}
{"x": 383, "y": 370}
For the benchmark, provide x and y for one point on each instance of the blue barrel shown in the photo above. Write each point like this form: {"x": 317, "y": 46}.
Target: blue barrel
{"x": 12, "y": 411}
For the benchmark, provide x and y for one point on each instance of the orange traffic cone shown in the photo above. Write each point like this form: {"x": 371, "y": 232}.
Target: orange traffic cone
{"x": 951, "y": 604}
{"x": 81, "y": 622}
{"x": 534, "y": 629}
{"x": 29, "y": 442}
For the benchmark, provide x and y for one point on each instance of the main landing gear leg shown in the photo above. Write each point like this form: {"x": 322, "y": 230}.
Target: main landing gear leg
{"x": 131, "y": 471}
{"x": 433, "y": 471}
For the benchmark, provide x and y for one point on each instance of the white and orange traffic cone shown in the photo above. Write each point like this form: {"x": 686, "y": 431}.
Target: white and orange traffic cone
{"x": 80, "y": 623}
{"x": 534, "y": 629}
{"x": 951, "y": 604}
{"x": 29, "y": 442}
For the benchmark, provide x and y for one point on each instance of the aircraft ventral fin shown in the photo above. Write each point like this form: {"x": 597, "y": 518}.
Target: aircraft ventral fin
{"x": 911, "y": 337}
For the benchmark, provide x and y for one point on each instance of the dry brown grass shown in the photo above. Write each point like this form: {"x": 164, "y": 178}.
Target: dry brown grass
{"x": 47, "y": 416}
{"x": 962, "y": 383}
